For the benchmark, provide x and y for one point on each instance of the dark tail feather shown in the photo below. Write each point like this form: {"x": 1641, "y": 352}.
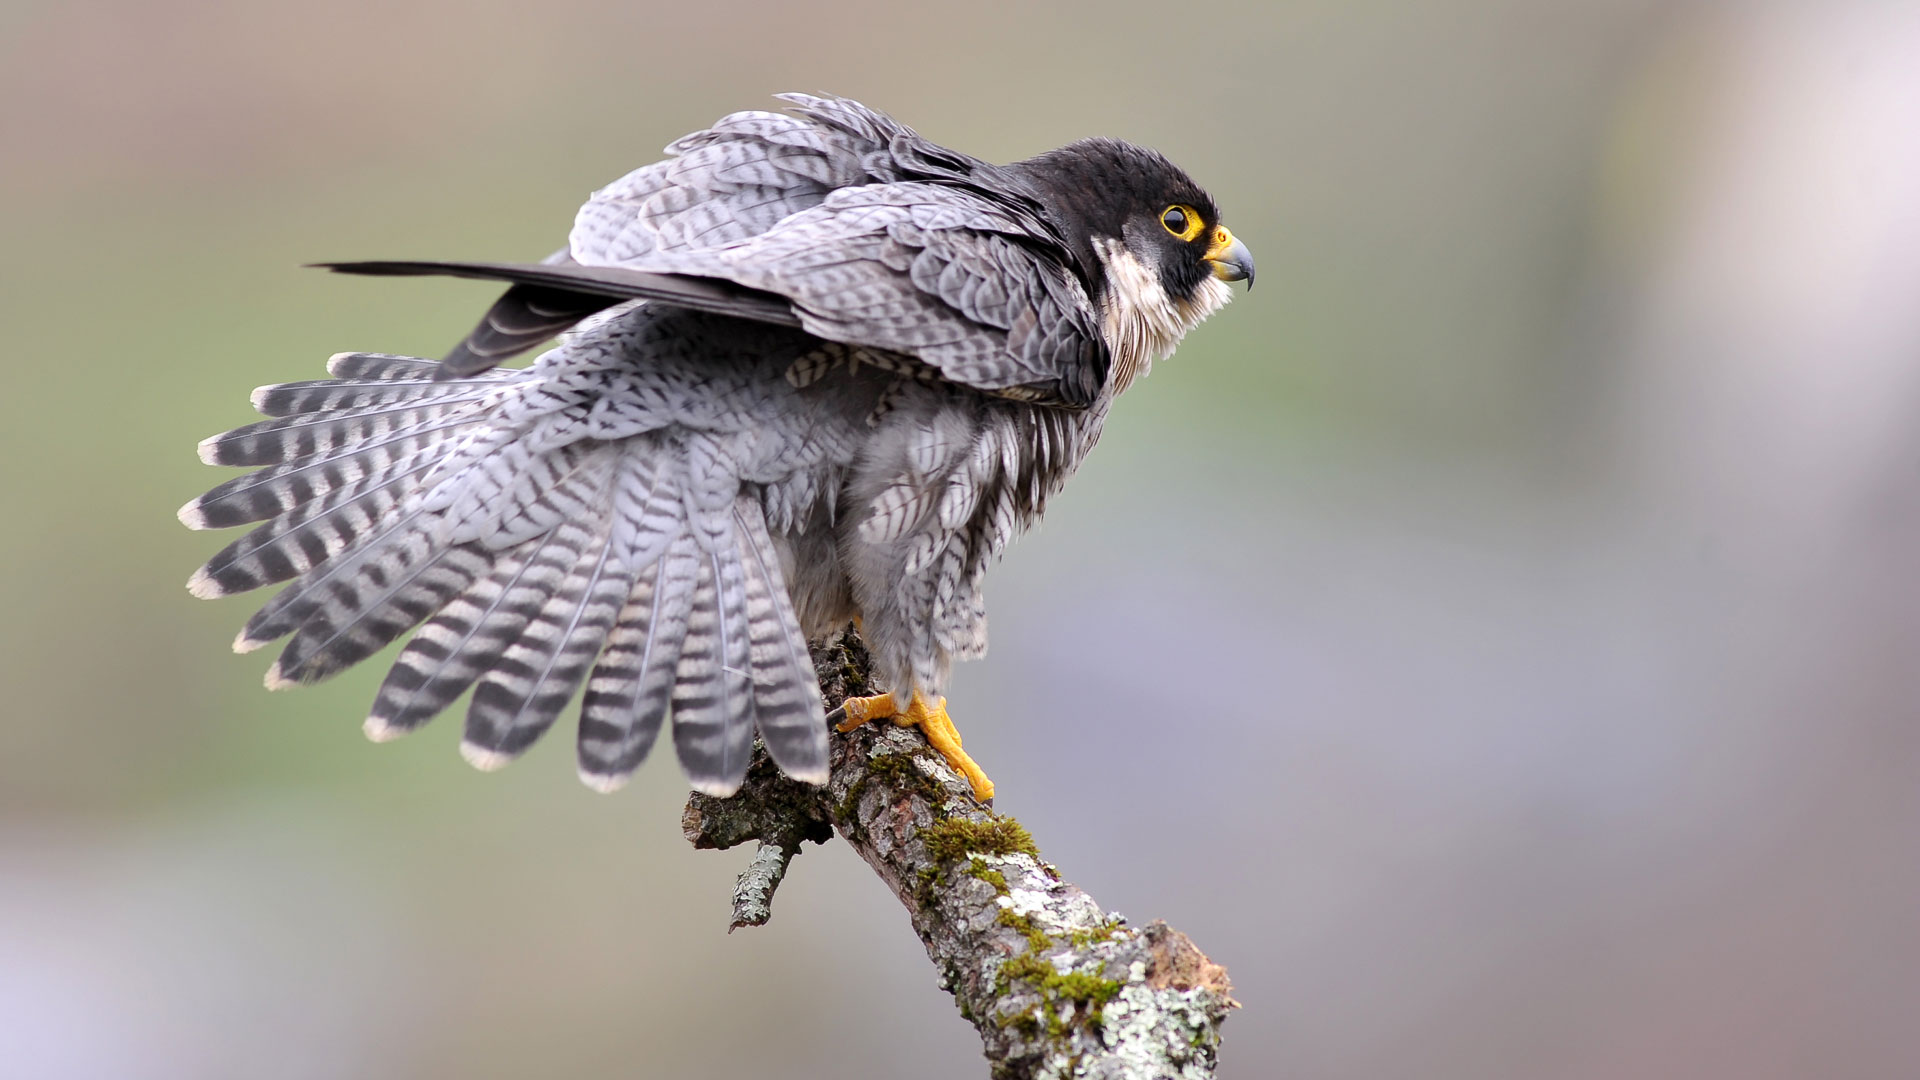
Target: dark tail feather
{"x": 524, "y": 316}
{"x": 548, "y": 297}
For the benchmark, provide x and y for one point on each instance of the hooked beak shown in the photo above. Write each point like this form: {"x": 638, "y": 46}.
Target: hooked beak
{"x": 1230, "y": 258}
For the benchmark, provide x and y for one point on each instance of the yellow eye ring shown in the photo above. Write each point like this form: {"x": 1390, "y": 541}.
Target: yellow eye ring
{"x": 1182, "y": 221}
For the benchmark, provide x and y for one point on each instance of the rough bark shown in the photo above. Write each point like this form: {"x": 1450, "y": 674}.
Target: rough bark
{"x": 1056, "y": 986}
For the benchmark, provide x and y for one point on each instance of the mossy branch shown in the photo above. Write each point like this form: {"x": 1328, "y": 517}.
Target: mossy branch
{"x": 1056, "y": 986}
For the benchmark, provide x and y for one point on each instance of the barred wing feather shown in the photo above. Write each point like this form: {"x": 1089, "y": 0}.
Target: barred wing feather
{"x": 530, "y": 558}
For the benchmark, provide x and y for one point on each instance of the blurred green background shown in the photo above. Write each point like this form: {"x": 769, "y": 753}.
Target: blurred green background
{"x": 1494, "y": 639}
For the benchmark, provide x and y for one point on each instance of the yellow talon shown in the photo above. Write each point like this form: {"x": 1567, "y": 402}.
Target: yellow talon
{"x": 933, "y": 722}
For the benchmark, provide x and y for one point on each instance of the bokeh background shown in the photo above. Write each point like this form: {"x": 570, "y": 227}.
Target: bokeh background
{"x": 1496, "y": 638}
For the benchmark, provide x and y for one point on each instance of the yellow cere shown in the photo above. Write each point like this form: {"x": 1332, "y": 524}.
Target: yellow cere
{"x": 1182, "y": 221}
{"x": 1222, "y": 240}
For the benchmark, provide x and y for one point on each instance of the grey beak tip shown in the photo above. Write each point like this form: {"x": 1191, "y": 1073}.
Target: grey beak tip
{"x": 1235, "y": 264}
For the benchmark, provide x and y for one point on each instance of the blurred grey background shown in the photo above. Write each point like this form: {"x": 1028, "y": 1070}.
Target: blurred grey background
{"x": 1496, "y": 639}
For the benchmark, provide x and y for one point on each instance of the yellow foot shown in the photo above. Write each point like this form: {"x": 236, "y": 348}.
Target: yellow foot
{"x": 932, "y": 720}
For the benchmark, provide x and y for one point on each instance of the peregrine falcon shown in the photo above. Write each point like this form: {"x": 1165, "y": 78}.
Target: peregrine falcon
{"x": 812, "y": 369}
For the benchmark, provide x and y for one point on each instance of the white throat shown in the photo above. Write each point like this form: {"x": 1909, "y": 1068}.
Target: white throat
{"x": 1140, "y": 322}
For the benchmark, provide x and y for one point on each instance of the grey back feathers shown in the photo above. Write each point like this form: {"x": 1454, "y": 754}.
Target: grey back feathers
{"x": 831, "y": 369}
{"x": 930, "y": 271}
{"x": 869, "y": 234}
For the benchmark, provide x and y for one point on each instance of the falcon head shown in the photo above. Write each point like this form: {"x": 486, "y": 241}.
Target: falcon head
{"x": 1152, "y": 249}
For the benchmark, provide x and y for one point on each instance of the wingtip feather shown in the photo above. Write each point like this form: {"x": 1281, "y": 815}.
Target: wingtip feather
{"x": 244, "y": 644}
{"x": 719, "y": 789}
{"x": 192, "y": 516}
{"x": 605, "y": 783}
{"x": 203, "y": 585}
{"x": 334, "y": 361}
{"x": 380, "y": 729}
{"x": 275, "y": 680}
{"x": 484, "y": 759}
{"x": 816, "y": 777}
{"x": 209, "y": 449}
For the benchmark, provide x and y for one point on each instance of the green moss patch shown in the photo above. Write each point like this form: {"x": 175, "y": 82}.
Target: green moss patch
{"x": 956, "y": 838}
